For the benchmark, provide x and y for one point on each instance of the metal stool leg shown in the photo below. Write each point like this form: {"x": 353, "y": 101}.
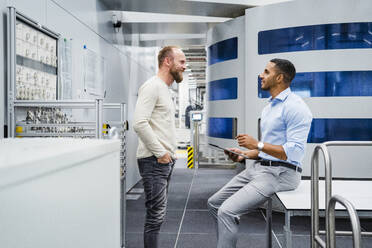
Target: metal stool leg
{"x": 287, "y": 230}
{"x": 269, "y": 223}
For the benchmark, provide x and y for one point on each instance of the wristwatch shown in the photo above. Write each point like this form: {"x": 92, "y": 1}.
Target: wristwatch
{"x": 260, "y": 145}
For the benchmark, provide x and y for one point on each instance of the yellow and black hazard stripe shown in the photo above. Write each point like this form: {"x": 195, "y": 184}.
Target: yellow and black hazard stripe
{"x": 190, "y": 157}
{"x": 106, "y": 128}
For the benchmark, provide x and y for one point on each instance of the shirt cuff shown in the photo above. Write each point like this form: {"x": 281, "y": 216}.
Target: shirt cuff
{"x": 293, "y": 151}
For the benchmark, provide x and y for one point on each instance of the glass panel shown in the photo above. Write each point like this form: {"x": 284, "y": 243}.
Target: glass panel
{"x": 316, "y": 37}
{"x": 223, "y": 50}
{"x": 323, "y": 130}
{"x": 222, "y": 127}
{"x": 223, "y": 89}
{"x": 329, "y": 84}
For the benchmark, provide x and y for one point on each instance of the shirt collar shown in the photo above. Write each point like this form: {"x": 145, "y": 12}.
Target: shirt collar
{"x": 282, "y": 95}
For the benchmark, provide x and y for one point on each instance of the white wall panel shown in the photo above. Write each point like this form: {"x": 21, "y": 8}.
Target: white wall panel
{"x": 32, "y": 9}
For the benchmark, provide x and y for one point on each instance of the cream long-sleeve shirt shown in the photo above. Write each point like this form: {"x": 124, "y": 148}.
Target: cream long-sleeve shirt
{"x": 154, "y": 120}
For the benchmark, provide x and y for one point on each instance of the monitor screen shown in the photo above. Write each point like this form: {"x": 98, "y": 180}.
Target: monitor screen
{"x": 197, "y": 116}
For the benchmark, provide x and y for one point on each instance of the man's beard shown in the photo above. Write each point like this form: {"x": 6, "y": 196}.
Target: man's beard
{"x": 177, "y": 75}
{"x": 265, "y": 88}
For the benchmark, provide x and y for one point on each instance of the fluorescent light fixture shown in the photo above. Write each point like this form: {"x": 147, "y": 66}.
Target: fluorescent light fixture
{"x": 242, "y": 2}
{"x": 148, "y": 17}
{"x": 175, "y": 36}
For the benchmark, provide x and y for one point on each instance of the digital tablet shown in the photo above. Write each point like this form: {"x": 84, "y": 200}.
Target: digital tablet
{"x": 227, "y": 150}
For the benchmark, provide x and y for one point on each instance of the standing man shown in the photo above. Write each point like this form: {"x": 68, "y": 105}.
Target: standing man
{"x": 154, "y": 124}
{"x": 285, "y": 124}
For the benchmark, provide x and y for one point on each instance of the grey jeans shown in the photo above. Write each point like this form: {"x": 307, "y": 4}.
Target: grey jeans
{"x": 155, "y": 178}
{"x": 245, "y": 192}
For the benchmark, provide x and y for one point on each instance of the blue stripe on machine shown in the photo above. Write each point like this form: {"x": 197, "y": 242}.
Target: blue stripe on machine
{"x": 323, "y": 130}
{"x": 329, "y": 84}
{"x": 223, "y": 50}
{"x": 316, "y": 37}
{"x": 223, "y": 89}
{"x": 222, "y": 127}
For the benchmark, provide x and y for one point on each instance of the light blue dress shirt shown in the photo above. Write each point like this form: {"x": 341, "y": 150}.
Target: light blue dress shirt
{"x": 286, "y": 121}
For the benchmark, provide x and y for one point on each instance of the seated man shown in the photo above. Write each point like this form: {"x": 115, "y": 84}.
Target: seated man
{"x": 276, "y": 164}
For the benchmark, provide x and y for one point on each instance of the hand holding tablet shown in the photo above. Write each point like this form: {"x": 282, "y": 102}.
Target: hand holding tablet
{"x": 227, "y": 151}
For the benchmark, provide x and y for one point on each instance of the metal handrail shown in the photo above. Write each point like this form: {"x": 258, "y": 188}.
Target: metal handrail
{"x": 315, "y": 237}
{"x": 355, "y": 224}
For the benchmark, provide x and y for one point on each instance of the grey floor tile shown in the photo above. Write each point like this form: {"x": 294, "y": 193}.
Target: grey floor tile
{"x": 199, "y": 195}
{"x": 219, "y": 179}
{"x": 135, "y": 240}
{"x": 181, "y": 176}
{"x": 197, "y": 240}
{"x": 136, "y": 205}
{"x": 177, "y": 195}
{"x": 203, "y": 187}
{"x": 217, "y": 171}
{"x": 200, "y": 222}
{"x": 136, "y": 220}
{"x": 210, "y": 241}
{"x": 255, "y": 241}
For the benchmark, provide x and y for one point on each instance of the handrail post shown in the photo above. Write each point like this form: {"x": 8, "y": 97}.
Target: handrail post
{"x": 11, "y": 70}
{"x": 355, "y": 224}
{"x": 123, "y": 119}
{"x": 314, "y": 197}
{"x": 99, "y": 118}
{"x": 315, "y": 189}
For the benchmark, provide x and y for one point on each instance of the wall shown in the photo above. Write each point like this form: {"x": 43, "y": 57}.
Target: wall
{"x": 87, "y": 23}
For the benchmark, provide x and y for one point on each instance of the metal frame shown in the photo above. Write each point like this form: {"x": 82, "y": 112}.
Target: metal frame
{"x": 123, "y": 164}
{"x": 12, "y": 17}
{"x": 355, "y": 224}
{"x": 92, "y": 104}
{"x": 11, "y": 65}
{"x": 315, "y": 237}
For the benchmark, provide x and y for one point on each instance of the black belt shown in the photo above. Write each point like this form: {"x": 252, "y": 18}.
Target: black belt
{"x": 265, "y": 162}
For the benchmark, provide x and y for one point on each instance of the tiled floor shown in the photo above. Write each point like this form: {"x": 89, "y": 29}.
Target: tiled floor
{"x": 188, "y": 224}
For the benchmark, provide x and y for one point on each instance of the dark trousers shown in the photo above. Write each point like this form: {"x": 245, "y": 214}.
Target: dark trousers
{"x": 155, "y": 177}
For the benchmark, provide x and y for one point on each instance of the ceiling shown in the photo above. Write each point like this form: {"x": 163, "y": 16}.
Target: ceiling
{"x": 184, "y": 23}
{"x": 190, "y": 22}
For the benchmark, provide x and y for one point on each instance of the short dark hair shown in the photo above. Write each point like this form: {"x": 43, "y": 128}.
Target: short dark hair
{"x": 286, "y": 68}
{"x": 165, "y": 52}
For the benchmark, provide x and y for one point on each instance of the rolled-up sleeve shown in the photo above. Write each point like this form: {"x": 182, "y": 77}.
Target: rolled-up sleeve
{"x": 147, "y": 98}
{"x": 298, "y": 121}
